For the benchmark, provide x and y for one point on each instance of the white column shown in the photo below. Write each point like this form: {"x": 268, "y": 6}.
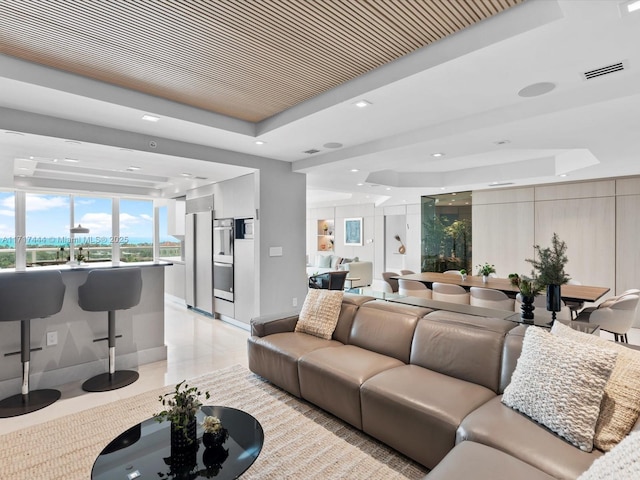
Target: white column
{"x": 21, "y": 230}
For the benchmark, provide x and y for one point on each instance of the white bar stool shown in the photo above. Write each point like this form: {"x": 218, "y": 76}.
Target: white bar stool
{"x": 24, "y": 296}
{"x": 108, "y": 291}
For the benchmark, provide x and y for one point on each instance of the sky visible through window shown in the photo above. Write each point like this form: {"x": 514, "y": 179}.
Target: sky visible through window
{"x": 47, "y": 220}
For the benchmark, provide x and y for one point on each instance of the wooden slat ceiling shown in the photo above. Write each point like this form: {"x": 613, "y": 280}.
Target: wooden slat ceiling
{"x": 248, "y": 59}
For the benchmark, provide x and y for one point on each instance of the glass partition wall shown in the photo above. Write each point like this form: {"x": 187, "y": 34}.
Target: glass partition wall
{"x": 446, "y": 238}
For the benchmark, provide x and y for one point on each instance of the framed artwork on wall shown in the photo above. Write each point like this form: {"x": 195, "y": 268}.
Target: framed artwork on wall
{"x": 353, "y": 231}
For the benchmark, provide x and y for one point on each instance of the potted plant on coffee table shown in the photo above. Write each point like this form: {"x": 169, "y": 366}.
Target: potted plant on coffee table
{"x": 180, "y": 408}
{"x": 549, "y": 266}
{"x": 529, "y": 288}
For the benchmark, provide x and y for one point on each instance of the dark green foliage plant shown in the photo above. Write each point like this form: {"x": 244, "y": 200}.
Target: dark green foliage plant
{"x": 181, "y": 405}
{"x": 550, "y": 263}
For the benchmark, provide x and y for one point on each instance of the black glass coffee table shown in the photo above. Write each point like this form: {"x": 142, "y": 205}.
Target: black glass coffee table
{"x": 144, "y": 451}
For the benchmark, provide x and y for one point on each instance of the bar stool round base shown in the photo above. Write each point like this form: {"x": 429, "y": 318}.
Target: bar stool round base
{"x": 21, "y": 404}
{"x": 105, "y": 381}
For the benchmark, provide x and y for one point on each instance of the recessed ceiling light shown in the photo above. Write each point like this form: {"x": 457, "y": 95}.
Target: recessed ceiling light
{"x": 259, "y": 142}
{"x": 537, "y": 89}
{"x": 133, "y": 168}
{"x": 55, "y": 160}
{"x": 150, "y": 118}
{"x": 30, "y": 158}
{"x": 437, "y": 154}
{"x": 71, "y": 160}
{"x": 442, "y": 188}
{"x": 562, "y": 175}
{"x": 362, "y": 103}
{"x": 360, "y": 184}
{"x": 632, "y": 6}
{"x": 388, "y": 188}
{"x": 185, "y": 174}
{"x": 23, "y": 168}
{"x": 354, "y": 170}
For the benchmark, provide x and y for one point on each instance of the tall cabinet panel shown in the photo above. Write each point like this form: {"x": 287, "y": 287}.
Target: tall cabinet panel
{"x": 627, "y": 251}
{"x": 503, "y": 236}
{"x": 587, "y": 225}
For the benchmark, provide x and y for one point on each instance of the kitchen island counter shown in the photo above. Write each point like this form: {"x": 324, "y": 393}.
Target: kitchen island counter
{"x": 76, "y": 356}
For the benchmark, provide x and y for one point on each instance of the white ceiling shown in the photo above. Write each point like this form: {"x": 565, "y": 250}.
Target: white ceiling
{"x": 458, "y": 96}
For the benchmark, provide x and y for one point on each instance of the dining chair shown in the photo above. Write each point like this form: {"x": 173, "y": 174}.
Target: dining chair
{"x": 388, "y": 277}
{"x": 407, "y": 272}
{"x": 574, "y": 306}
{"x": 490, "y": 298}
{"x": 616, "y": 318}
{"x": 413, "y": 288}
{"x": 452, "y": 272}
{"x": 447, "y": 292}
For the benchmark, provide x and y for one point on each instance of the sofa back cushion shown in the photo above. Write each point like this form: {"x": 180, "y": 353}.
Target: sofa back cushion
{"x": 350, "y": 305}
{"x": 510, "y": 354}
{"x": 461, "y": 346}
{"x": 386, "y": 328}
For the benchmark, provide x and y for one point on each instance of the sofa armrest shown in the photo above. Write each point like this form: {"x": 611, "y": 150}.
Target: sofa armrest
{"x": 274, "y": 323}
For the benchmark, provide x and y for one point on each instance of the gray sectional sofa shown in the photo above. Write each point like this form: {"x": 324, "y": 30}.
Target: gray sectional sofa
{"x": 427, "y": 383}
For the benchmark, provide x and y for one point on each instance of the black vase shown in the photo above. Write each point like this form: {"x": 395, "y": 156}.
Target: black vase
{"x": 184, "y": 438}
{"x": 527, "y": 309}
{"x": 554, "y": 300}
{"x": 214, "y": 439}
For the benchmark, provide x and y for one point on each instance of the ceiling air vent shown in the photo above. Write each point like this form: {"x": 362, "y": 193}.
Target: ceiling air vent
{"x": 598, "y": 72}
{"x": 311, "y": 152}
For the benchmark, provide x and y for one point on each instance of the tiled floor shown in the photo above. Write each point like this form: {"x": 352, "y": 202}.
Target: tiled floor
{"x": 196, "y": 345}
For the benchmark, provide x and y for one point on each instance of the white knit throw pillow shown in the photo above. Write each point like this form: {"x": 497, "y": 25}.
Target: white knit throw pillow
{"x": 621, "y": 463}
{"x": 559, "y": 383}
{"x": 621, "y": 402}
{"x": 320, "y": 312}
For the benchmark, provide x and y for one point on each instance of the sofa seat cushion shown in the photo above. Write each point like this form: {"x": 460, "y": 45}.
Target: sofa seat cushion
{"x": 470, "y": 460}
{"x": 331, "y": 378}
{"x": 275, "y": 357}
{"x": 417, "y": 411}
{"x": 503, "y": 428}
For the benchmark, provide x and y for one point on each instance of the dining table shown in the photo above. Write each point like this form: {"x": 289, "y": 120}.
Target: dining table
{"x": 568, "y": 292}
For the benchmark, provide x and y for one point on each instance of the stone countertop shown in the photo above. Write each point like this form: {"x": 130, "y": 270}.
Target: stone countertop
{"x": 92, "y": 266}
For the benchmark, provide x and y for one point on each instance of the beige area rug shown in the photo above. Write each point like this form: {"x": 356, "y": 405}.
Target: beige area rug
{"x": 301, "y": 441}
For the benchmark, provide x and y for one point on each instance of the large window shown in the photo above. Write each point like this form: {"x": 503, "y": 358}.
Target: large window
{"x": 47, "y": 228}
{"x": 49, "y": 217}
{"x": 7, "y": 230}
{"x": 93, "y": 213}
{"x": 136, "y": 230}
